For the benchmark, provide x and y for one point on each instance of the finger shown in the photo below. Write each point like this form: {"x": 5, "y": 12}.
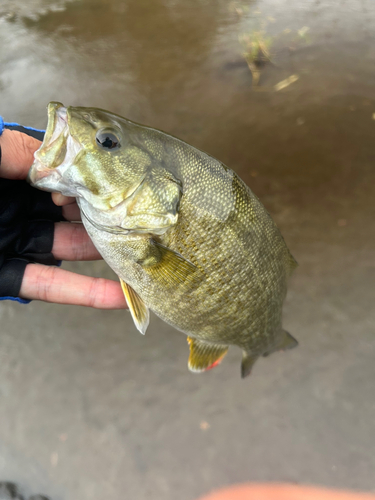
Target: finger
{"x": 52, "y": 284}
{"x": 71, "y": 242}
{"x": 60, "y": 200}
{"x": 71, "y": 212}
{"x": 17, "y": 154}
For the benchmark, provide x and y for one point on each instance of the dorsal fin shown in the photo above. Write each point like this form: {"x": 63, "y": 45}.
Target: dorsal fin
{"x": 204, "y": 356}
{"x": 292, "y": 264}
{"x": 137, "y": 307}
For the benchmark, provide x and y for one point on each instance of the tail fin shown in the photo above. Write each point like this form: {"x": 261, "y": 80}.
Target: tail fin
{"x": 286, "y": 342}
{"x": 247, "y": 363}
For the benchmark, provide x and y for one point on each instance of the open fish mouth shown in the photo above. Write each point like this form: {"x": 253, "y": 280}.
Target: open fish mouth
{"x": 57, "y": 152}
{"x": 57, "y": 121}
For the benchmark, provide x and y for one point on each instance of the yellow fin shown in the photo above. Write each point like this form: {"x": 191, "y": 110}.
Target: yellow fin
{"x": 172, "y": 269}
{"x": 137, "y": 307}
{"x": 204, "y": 356}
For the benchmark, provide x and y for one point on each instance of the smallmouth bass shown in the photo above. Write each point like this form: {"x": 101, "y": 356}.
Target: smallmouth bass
{"x": 187, "y": 238}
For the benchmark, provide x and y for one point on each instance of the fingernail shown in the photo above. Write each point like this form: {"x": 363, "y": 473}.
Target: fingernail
{"x": 60, "y": 200}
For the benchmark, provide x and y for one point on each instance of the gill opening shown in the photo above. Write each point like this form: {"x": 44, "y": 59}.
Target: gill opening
{"x": 108, "y": 229}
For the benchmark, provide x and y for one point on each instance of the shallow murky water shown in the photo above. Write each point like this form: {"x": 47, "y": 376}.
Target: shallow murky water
{"x": 130, "y": 409}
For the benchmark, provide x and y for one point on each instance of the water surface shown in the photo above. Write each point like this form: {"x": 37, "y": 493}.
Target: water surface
{"x": 90, "y": 409}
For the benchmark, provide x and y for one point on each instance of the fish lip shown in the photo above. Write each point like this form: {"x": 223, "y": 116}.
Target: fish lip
{"x": 57, "y": 126}
{"x": 57, "y": 121}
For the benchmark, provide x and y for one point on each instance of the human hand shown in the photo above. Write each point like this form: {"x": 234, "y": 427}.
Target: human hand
{"x": 71, "y": 242}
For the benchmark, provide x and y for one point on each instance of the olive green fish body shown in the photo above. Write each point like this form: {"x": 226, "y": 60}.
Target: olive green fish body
{"x": 189, "y": 240}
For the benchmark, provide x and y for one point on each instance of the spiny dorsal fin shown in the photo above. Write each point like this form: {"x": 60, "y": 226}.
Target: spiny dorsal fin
{"x": 137, "y": 307}
{"x": 172, "y": 269}
{"x": 204, "y": 356}
{"x": 292, "y": 264}
{"x": 247, "y": 363}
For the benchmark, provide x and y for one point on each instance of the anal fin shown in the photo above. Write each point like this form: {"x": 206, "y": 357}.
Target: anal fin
{"x": 137, "y": 307}
{"x": 204, "y": 356}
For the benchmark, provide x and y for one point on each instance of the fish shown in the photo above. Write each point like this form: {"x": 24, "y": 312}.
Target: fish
{"x": 186, "y": 236}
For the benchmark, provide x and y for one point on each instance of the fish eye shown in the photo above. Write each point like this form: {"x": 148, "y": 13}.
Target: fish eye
{"x": 107, "y": 139}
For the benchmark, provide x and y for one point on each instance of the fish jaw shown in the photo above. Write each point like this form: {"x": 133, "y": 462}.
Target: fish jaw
{"x": 56, "y": 154}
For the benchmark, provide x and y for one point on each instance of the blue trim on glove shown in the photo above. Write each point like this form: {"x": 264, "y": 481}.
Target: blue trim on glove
{"x": 16, "y": 299}
{"x": 13, "y": 124}
{"x": 25, "y": 301}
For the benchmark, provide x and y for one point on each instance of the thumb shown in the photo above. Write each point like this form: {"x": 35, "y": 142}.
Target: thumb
{"x": 17, "y": 154}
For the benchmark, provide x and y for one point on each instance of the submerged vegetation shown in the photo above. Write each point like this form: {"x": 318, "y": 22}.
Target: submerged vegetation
{"x": 261, "y": 46}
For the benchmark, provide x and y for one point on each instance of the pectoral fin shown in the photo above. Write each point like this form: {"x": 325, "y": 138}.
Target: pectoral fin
{"x": 137, "y": 307}
{"x": 171, "y": 268}
{"x": 204, "y": 356}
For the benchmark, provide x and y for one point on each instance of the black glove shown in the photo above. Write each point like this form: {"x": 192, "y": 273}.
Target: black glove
{"x": 27, "y": 218}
